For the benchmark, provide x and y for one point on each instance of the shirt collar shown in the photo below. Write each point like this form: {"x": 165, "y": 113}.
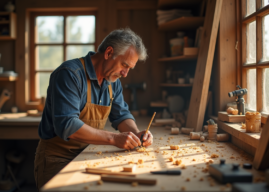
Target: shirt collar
{"x": 90, "y": 69}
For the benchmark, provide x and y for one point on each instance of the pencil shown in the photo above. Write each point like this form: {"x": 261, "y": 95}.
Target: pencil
{"x": 150, "y": 122}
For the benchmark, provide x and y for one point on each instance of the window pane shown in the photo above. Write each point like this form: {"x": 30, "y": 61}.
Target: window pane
{"x": 80, "y": 29}
{"x": 251, "y": 42}
{"x": 265, "y": 90}
{"x": 42, "y": 83}
{"x": 251, "y": 7}
{"x": 77, "y": 51}
{"x": 49, "y": 29}
{"x": 49, "y": 57}
{"x": 265, "y": 2}
{"x": 265, "y": 40}
{"x": 251, "y": 86}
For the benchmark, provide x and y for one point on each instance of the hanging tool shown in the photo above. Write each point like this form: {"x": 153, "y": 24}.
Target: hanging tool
{"x": 141, "y": 138}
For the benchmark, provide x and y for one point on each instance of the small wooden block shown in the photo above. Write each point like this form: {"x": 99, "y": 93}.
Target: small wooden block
{"x": 129, "y": 168}
{"x": 224, "y": 116}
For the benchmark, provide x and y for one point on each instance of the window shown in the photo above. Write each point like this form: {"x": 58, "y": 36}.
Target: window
{"x": 255, "y": 54}
{"x": 54, "y": 38}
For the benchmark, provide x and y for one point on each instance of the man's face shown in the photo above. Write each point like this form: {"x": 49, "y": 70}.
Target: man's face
{"x": 120, "y": 66}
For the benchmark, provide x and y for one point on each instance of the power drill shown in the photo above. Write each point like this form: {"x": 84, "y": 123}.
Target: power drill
{"x": 240, "y": 100}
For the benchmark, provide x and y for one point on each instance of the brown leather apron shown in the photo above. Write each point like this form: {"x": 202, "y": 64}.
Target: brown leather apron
{"x": 54, "y": 154}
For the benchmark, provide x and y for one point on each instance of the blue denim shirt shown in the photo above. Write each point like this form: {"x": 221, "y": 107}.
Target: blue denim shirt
{"x": 67, "y": 96}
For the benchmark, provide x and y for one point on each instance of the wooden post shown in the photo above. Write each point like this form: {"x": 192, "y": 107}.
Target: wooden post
{"x": 204, "y": 65}
{"x": 261, "y": 158}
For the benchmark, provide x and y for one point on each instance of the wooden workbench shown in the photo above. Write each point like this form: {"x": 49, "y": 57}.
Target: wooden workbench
{"x": 194, "y": 155}
{"x": 18, "y": 126}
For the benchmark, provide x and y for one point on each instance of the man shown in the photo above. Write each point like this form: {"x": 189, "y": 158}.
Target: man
{"x": 82, "y": 94}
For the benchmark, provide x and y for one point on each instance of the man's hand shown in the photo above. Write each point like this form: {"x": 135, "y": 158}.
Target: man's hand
{"x": 126, "y": 140}
{"x": 147, "y": 138}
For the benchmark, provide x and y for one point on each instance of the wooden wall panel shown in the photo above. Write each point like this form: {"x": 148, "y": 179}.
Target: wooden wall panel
{"x": 224, "y": 76}
{"x": 227, "y": 52}
{"x": 143, "y": 22}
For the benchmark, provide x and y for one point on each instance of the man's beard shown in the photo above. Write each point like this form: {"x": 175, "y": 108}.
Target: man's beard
{"x": 113, "y": 78}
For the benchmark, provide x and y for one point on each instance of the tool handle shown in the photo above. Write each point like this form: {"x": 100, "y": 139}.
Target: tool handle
{"x": 174, "y": 172}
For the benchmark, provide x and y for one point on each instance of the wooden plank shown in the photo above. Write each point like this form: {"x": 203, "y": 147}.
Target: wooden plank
{"x": 107, "y": 172}
{"x": 224, "y": 116}
{"x": 235, "y": 130}
{"x": 178, "y": 58}
{"x": 204, "y": 65}
{"x": 182, "y": 23}
{"x": 261, "y": 159}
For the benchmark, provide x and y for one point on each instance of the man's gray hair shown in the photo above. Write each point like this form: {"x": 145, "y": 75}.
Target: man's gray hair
{"x": 120, "y": 40}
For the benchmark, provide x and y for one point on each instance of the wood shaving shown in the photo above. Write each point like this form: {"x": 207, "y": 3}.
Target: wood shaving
{"x": 130, "y": 162}
{"x": 232, "y": 157}
{"x": 188, "y": 179}
{"x": 99, "y": 152}
{"x": 171, "y": 159}
{"x": 183, "y": 188}
{"x": 134, "y": 184}
{"x": 201, "y": 179}
{"x": 194, "y": 160}
{"x": 177, "y": 162}
{"x": 174, "y": 147}
{"x": 100, "y": 182}
{"x": 183, "y": 167}
{"x": 214, "y": 155}
{"x": 140, "y": 161}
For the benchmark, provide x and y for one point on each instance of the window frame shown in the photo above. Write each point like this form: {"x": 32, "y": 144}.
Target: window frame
{"x": 33, "y": 70}
{"x": 259, "y": 65}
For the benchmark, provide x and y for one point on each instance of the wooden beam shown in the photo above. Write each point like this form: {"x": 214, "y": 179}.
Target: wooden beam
{"x": 261, "y": 159}
{"x": 204, "y": 65}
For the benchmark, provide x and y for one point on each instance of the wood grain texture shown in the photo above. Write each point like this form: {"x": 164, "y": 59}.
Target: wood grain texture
{"x": 224, "y": 116}
{"x": 182, "y": 23}
{"x": 261, "y": 160}
{"x": 204, "y": 65}
{"x": 227, "y": 53}
{"x": 193, "y": 154}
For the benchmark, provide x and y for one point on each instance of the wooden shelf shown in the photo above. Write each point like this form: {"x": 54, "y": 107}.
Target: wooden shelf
{"x": 178, "y": 58}
{"x": 172, "y": 4}
{"x": 182, "y": 23}
{"x": 10, "y": 22}
{"x": 4, "y": 22}
{"x": 175, "y": 85}
{"x": 9, "y": 78}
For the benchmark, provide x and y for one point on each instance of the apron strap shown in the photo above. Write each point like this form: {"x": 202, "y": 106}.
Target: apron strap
{"x": 89, "y": 95}
{"x": 89, "y": 85}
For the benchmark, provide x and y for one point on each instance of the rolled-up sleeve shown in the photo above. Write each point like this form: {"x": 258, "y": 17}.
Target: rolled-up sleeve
{"x": 120, "y": 110}
{"x": 66, "y": 97}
